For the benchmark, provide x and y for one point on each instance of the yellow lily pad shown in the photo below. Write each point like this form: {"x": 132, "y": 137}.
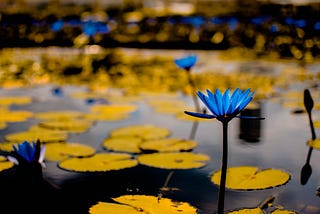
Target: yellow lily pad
{"x": 316, "y": 124}
{"x": 168, "y": 145}
{"x": 314, "y": 143}
{"x": 281, "y": 211}
{"x": 15, "y": 116}
{"x": 251, "y": 178}
{"x": 256, "y": 210}
{"x": 104, "y": 207}
{"x": 70, "y": 125}
{"x": 60, "y": 151}
{"x": 146, "y": 132}
{"x": 45, "y": 136}
{"x": 3, "y": 125}
{"x": 113, "y": 108}
{"x": 176, "y": 160}
{"x": 99, "y": 163}
{"x": 182, "y": 116}
{"x": 5, "y": 164}
{"x": 168, "y": 106}
{"x": 131, "y": 204}
{"x": 106, "y": 116}
{"x": 15, "y": 100}
{"x": 58, "y": 115}
{"x": 7, "y": 146}
{"x": 128, "y": 144}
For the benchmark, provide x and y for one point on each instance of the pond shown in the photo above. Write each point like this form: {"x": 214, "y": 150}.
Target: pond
{"x": 278, "y": 142}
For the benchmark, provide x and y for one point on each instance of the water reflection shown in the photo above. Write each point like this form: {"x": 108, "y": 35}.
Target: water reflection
{"x": 250, "y": 130}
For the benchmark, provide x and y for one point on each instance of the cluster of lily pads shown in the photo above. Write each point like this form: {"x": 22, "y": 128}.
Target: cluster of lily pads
{"x": 128, "y": 146}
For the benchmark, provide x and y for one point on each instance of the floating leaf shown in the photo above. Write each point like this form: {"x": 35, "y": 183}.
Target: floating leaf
{"x": 58, "y": 115}
{"x": 104, "y": 207}
{"x": 281, "y": 211}
{"x": 143, "y": 204}
{"x": 45, "y": 136}
{"x": 183, "y": 160}
{"x": 111, "y": 109}
{"x": 128, "y": 144}
{"x": 106, "y": 116}
{"x": 167, "y": 106}
{"x": 316, "y": 124}
{"x": 5, "y": 164}
{"x": 99, "y": 163}
{"x": 3, "y": 125}
{"x": 70, "y": 125}
{"x": 15, "y": 116}
{"x": 247, "y": 211}
{"x": 251, "y": 178}
{"x": 314, "y": 143}
{"x": 146, "y": 132}
{"x": 60, "y": 151}
{"x": 15, "y": 100}
{"x": 168, "y": 145}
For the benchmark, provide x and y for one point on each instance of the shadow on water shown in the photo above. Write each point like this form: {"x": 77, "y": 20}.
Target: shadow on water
{"x": 306, "y": 170}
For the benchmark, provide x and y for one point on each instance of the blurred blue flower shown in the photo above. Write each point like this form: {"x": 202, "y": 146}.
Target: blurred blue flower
{"x": 186, "y": 62}
{"x": 225, "y": 106}
{"x": 29, "y": 152}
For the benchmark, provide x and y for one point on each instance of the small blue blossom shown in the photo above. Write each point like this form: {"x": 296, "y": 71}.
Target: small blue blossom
{"x": 225, "y": 106}
{"x": 29, "y": 152}
{"x": 186, "y": 62}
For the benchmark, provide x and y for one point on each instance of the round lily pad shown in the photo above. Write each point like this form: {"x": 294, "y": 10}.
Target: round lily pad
{"x": 3, "y": 125}
{"x": 16, "y": 100}
{"x": 113, "y": 108}
{"x": 168, "y": 145}
{"x": 60, "y": 151}
{"x": 176, "y": 160}
{"x": 70, "y": 125}
{"x": 282, "y": 211}
{"x": 256, "y": 210}
{"x": 146, "y": 132}
{"x": 128, "y": 144}
{"x": 134, "y": 204}
{"x": 15, "y": 116}
{"x": 45, "y": 136}
{"x": 99, "y": 163}
{"x": 58, "y": 115}
{"x": 251, "y": 178}
{"x": 106, "y": 116}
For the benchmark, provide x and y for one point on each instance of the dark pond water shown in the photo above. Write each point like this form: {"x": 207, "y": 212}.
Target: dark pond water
{"x": 281, "y": 144}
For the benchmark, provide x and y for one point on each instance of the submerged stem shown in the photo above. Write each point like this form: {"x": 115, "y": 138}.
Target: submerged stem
{"x": 224, "y": 167}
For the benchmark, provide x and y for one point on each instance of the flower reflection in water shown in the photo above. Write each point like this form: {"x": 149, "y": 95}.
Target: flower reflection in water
{"x": 224, "y": 107}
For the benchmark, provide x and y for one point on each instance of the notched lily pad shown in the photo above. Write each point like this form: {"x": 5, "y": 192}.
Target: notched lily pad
{"x": 177, "y": 160}
{"x": 131, "y": 204}
{"x": 61, "y": 151}
{"x": 168, "y": 145}
{"x": 251, "y": 178}
{"x": 99, "y": 163}
{"x": 146, "y": 132}
{"x": 5, "y": 164}
{"x": 130, "y": 144}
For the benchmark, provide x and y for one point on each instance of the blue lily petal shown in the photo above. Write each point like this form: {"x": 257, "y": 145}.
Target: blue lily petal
{"x": 250, "y": 117}
{"x": 224, "y": 107}
{"x": 205, "y": 116}
{"x": 26, "y": 150}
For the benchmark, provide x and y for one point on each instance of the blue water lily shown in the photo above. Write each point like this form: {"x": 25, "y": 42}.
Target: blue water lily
{"x": 225, "y": 106}
{"x": 29, "y": 152}
{"x": 186, "y": 62}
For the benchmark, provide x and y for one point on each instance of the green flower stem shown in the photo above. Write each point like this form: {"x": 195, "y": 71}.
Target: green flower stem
{"x": 224, "y": 167}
